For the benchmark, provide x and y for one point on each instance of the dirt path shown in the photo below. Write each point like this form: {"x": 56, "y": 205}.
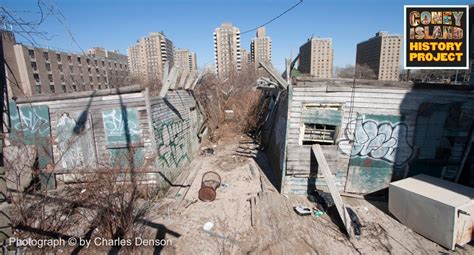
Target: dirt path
{"x": 250, "y": 216}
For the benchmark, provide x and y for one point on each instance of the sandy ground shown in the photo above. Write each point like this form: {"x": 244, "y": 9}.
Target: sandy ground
{"x": 250, "y": 217}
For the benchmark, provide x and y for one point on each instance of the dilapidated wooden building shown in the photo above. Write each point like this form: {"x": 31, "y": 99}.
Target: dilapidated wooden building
{"x": 84, "y": 131}
{"x": 371, "y": 132}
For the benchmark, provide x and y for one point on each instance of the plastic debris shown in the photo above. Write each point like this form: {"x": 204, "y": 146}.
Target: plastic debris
{"x": 317, "y": 213}
{"x": 208, "y": 226}
{"x": 302, "y": 210}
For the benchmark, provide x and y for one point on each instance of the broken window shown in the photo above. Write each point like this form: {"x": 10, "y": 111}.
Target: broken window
{"x": 319, "y": 133}
{"x": 320, "y": 123}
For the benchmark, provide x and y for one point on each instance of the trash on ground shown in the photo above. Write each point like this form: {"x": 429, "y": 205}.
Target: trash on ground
{"x": 208, "y": 226}
{"x": 302, "y": 210}
{"x": 355, "y": 221}
{"x": 207, "y": 152}
{"x": 317, "y": 213}
{"x": 210, "y": 182}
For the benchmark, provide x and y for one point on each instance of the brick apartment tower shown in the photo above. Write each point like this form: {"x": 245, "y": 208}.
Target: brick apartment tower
{"x": 381, "y": 54}
{"x": 261, "y": 47}
{"x": 316, "y": 58}
{"x": 227, "y": 53}
{"x": 185, "y": 60}
{"x": 37, "y": 71}
{"x": 148, "y": 56}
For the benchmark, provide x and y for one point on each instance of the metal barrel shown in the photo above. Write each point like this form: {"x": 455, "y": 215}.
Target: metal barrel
{"x": 210, "y": 182}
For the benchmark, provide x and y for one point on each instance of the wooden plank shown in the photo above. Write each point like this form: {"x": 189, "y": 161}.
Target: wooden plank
{"x": 336, "y": 196}
{"x": 167, "y": 77}
{"x": 283, "y": 84}
{"x": 190, "y": 80}
{"x": 149, "y": 120}
{"x": 85, "y": 94}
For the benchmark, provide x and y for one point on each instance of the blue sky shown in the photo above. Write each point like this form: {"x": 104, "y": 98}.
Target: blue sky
{"x": 190, "y": 23}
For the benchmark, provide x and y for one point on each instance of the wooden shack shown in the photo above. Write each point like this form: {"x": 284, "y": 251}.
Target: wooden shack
{"x": 81, "y": 132}
{"x": 371, "y": 132}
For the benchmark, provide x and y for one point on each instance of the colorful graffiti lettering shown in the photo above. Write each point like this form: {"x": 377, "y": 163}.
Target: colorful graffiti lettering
{"x": 377, "y": 139}
{"x": 172, "y": 147}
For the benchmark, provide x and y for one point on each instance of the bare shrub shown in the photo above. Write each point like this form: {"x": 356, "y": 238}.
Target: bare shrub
{"x": 364, "y": 72}
{"x": 108, "y": 202}
{"x": 234, "y": 92}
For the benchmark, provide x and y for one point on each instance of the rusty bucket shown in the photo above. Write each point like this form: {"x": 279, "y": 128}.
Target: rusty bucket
{"x": 210, "y": 182}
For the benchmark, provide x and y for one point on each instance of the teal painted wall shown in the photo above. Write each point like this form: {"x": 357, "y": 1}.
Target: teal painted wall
{"x": 376, "y": 151}
{"x": 30, "y": 126}
{"x": 121, "y": 127}
{"x": 122, "y": 132}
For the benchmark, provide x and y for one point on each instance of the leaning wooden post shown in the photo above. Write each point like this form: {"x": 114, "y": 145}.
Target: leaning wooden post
{"x": 324, "y": 168}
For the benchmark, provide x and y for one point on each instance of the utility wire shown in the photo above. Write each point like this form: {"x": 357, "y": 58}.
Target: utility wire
{"x": 270, "y": 21}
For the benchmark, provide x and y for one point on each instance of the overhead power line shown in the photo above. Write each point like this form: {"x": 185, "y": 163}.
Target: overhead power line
{"x": 270, "y": 21}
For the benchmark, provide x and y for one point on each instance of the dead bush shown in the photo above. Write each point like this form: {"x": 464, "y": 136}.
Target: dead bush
{"x": 234, "y": 92}
{"x": 108, "y": 202}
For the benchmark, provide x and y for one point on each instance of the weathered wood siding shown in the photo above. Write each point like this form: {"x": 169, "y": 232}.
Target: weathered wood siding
{"x": 85, "y": 117}
{"x": 361, "y": 159}
{"x": 176, "y": 120}
{"x": 274, "y": 136}
{"x": 87, "y": 132}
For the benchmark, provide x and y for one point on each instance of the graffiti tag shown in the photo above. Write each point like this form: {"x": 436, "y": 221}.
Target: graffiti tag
{"x": 374, "y": 139}
{"x": 121, "y": 125}
{"x": 172, "y": 147}
{"x": 34, "y": 120}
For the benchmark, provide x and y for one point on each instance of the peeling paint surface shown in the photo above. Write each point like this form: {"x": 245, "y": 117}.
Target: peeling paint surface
{"x": 75, "y": 144}
{"x": 376, "y": 143}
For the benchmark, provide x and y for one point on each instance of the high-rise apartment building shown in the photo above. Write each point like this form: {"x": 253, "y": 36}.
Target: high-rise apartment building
{"x": 381, "y": 54}
{"x": 316, "y": 57}
{"x": 185, "y": 60}
{"x": 148, "y": 56}
{"x": 228, "y": 57}
{"x": 261, "y": 47}
{"x": 246, "y": 58}
{"x": 38, "y": 71}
